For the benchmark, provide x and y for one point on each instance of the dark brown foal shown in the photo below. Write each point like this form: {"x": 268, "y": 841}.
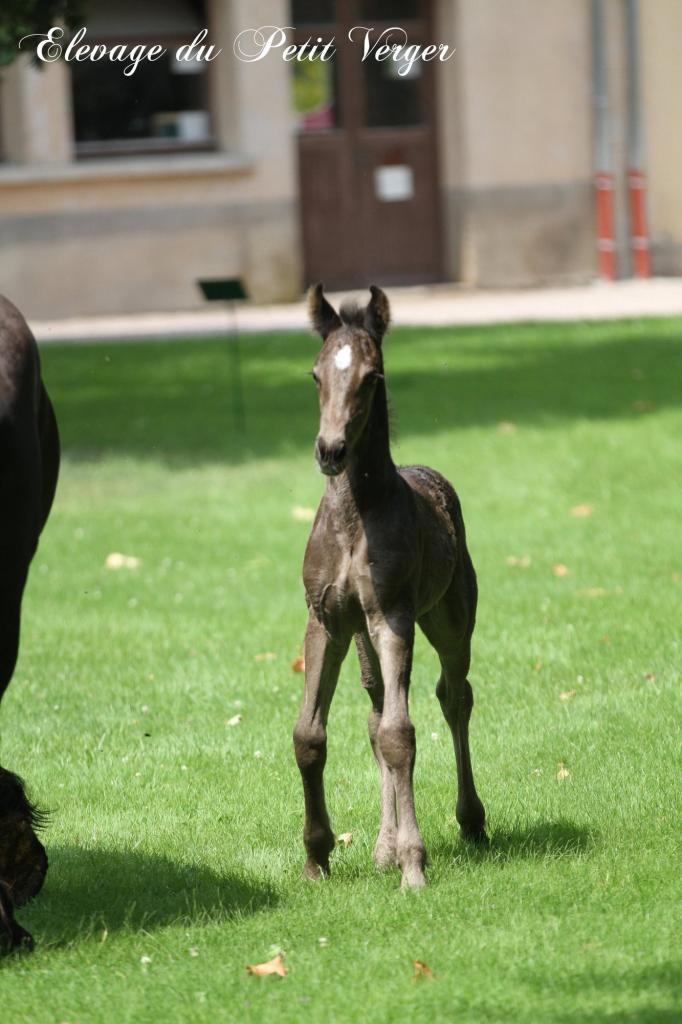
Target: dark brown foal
{"x": 387, "y": 550}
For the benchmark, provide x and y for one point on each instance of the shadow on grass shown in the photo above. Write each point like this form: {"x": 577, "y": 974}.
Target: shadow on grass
{"x": 89, "y": 891}
{"x": 175, "y": 402}
{"x": 544, "y": 840}
{"x": 654, "y": 991}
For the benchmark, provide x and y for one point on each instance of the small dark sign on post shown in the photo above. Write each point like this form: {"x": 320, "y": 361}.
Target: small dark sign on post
{"x": 223, "y": 289}
{"x": 231, "y": 290}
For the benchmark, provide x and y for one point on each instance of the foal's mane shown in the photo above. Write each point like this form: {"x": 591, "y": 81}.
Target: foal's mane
{"x": 352, "y": 314}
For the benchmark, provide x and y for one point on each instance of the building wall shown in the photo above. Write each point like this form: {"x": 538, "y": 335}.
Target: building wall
{"x": 519, "y": 192}
{"x": 516, "y": 166}
{"x": 660, "y": 33}
{"x": 134, "y": 234}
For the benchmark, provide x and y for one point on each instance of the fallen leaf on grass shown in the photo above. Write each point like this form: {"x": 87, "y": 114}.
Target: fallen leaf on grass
{"x": 422, "y": 970}
{"x": 118, "y": 561}
{"x": 582, "y": 511}
{"x": 265, "y": 656}
{"x": 346, "y": 838}
{"x": 506, "y": 427}
{"x": 593, "y": 592}
{"x": 650, "y": 677}
{"x": 560, "y": 570}
{"x": 302, "y": 514}
{"x": 563, "y": 772}
{"x": 274, "y": 966}
{"x": 235, "y": 720}
{"x": 537, "y": 666}
{"x": 298, "y": 664}
{"x": 518, "y": 563}
{"x": 567, "y": 694}
{"x": 643, "y": 405}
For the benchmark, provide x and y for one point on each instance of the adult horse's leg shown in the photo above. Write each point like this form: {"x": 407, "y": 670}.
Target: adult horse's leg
{"x": 370, "y": 672}
{"x": 443, "y": 627}
{"x": 323, "y": 657}
{"x": 12, "y": 936}
{"x": 393, "y": 639}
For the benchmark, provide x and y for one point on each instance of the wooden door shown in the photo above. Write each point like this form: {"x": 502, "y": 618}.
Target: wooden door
{"x": 369, "y": 193}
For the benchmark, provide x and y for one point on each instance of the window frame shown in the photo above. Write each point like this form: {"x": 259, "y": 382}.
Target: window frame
{"x": 150, "y": 145}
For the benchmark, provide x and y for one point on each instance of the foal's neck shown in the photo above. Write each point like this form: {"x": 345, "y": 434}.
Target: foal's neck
{"x": 370, "y": 470}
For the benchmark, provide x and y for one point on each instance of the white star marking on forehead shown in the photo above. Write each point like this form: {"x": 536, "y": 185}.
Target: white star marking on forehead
{"x": 343, "y": 357}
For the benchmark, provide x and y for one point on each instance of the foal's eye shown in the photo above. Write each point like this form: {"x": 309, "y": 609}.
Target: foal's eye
{"x": 373, "y": 375}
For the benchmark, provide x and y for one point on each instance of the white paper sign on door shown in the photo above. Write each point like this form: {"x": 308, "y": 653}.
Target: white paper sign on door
{"x": 394, "y": 183}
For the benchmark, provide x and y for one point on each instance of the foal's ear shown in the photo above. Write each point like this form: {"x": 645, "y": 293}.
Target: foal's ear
{"x": 377, "y": 314}
{"x": 323, "y": 316}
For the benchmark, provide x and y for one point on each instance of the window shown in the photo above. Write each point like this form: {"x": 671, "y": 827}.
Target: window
{"x": 319, "y": 12}
{"x": 163, "y": 106}
{"x": 315, "y": 90}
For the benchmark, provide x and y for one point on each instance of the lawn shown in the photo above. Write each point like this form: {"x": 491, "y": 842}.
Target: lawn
{"x": 175, "y": 837}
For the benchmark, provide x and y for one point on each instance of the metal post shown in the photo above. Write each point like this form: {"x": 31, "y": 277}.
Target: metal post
{"x": 639, "y": 233}
{"x": 238, "y": 407}
{"x": 603, "y": 173}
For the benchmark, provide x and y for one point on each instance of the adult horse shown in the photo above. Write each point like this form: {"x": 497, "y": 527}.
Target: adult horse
{"x": 29, "y": 466}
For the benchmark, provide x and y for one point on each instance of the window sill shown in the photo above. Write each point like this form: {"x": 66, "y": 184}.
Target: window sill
{"x": 131, "y": 168}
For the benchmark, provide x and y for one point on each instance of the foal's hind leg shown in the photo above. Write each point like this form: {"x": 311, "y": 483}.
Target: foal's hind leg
{"x": 385, "y": 847}
{"x": 448, "y": 630}
{"x": 456, "y": 700}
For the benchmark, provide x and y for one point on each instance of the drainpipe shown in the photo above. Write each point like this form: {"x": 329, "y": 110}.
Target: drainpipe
{"x": 639, "y": 233}
{"x": 603, "y": 169}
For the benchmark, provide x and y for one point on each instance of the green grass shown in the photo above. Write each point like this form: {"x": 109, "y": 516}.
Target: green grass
{"x": 172, "y": 831}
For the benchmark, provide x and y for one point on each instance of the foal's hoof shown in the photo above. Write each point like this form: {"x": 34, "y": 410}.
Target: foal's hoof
{"x": 315, "y": 872}
{"x": 384, "y": 853}
{"x": 477, "y": 836}
{"x": 413, "y": 878}
{"x": 475, "y": 833}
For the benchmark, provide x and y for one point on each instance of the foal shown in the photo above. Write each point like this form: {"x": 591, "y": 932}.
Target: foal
{"x": 387, "y": 550}
{"x": 29, "y": 464}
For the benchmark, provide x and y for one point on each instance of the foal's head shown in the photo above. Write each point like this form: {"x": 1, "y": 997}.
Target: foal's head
{"x": 347, "y": 372}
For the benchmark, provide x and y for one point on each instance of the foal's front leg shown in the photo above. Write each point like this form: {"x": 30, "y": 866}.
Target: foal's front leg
{"x": 393, "y": 640}
{"x": 384, "y": 849}
{"x": 323, "y": 657}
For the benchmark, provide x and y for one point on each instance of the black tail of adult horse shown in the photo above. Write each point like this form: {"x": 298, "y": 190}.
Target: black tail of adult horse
{"x": 29, "y": 465}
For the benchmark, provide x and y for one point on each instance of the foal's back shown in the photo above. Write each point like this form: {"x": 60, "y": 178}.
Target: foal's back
{"x": 445, "y": 560}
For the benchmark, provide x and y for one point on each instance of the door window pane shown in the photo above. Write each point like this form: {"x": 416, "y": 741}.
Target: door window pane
{"x": 318, "y": 12}
{"x": 315, "y": 94}
{"x": 392, "y": 10}
{"x": 392, "y": 99}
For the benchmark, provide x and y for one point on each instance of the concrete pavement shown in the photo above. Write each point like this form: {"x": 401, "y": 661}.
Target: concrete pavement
{"x": 433, "y": 305}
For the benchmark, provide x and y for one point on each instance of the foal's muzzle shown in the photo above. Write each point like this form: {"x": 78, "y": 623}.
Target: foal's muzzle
{"x": 331, "y": 458}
